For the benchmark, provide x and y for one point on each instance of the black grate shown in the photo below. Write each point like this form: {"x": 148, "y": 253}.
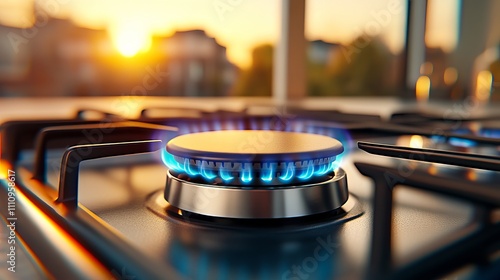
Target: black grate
{"x": 474, "y": 247}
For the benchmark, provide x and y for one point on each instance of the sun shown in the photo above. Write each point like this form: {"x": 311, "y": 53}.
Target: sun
{"x": 130, "y": 39}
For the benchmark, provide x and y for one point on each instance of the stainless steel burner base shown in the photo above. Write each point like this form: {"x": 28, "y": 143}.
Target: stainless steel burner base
{"x": 261, "y": 203}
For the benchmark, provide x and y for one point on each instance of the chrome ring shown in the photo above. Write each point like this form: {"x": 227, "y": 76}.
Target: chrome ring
{"x": 261, "y": 203}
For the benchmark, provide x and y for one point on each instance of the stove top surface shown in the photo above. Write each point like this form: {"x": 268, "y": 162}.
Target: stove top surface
{"x": 435, "y": 215}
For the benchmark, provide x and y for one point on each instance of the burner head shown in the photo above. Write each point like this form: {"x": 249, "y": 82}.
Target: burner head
{"x": 256, "y": 157}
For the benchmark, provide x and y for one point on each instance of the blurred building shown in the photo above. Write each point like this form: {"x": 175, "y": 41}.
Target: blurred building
{"x": 197, "y": 65}
{"x": 321, "y": 52}
{"x": 14, "y": 62}
{"x": 65, "y": 59}
{"x": 435, "y": 66}
{"x": 55, "y": 57}
{"x": 330, "y": 70}
{"x": 257, "y": 80}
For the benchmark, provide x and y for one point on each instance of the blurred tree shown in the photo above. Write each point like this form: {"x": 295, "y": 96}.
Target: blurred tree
{"x": 318, "y": 80}
{"x": 257, "y": 80}
{"x": 319, "y": 55}
{"x": 495, "y": 72}
{"x": 360, "y": 68}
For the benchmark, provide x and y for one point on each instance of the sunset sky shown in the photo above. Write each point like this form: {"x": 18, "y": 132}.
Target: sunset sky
{"x": 239, "y": 25}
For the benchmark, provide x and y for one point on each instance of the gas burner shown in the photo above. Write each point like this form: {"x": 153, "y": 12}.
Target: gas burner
{"x": 252, "y": 157}
{"x": 254, "y": 174}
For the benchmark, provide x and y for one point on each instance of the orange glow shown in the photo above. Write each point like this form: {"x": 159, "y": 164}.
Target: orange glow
{"x": 433, "y": 169}
{"x": 471, "y": 174}
{"x": 416, "y": 141}
{"x": 91, "y": 267}
{"x": 130, "y": 38}
{"x": 4, "y": 169}
{"x": 4, "y": 165}
{"x": 483, "y": 85}
{"x": 238, "y": 25}
{"x": 422, "y": 88}
{"x": 450, "y": 76}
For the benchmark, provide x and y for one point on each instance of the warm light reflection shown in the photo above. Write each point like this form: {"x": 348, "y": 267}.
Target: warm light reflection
{"x": 416, "y": 141}
{"x": 433, "y": 169}
{"x": 412, "y": 141}
{"x": 483, "y": 85}
{"x": 130, "y": 105}
{"x": 422, "y": 88}
{"x": 4, "y": 169}
{"x": 426, "y": 68}
{"x": 55, "y": 234}
{"x": 130, "y": 39}
{"x": 450, "y": 76}
{"x": 471, "y": 174}
{"x": 4, "y": 165}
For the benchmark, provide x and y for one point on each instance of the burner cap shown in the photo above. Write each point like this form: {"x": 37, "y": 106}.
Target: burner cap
{"x": 254, "y": 145}
{"x": 243, "y": 156}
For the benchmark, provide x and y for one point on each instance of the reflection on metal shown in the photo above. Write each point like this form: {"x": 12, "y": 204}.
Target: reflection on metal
{"x": 433, "y": 168}
{"x": 416, "y": 141}
{"x": 422, "y": 89}
{"x": 450, "y": 76}
{"x": 426, "y": 68}
{"x": 413, "y": 141}
{"x": 483, "y": 85}
{"x": 471, "y": 175}
{"x": 258, "y": 203}
{"x": 4, "y": 169}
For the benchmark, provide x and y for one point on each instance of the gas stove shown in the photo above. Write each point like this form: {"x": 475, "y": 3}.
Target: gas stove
{"x": 251, "y": 191}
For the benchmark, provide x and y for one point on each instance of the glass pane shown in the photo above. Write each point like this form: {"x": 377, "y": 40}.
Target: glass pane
{"x": 355, "y": 47}
{"x": 149, "y": 47}
{"x": 462, "y": 54}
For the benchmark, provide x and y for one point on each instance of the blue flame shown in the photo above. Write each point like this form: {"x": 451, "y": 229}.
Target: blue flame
{"x": 298, "y": 127}
{"x": 253, "y": 124}
{"x": 459, "y": 142}
{"x": 229, "y": 125}
{"x": 209, "y": 174}
{"x": 342, "y": 136}
{"x": 322, "y": 170}
{"x": 290, "y": 171}
{"x": 310, "y": 129}
{"x": 454, "y": 141}
{"x": 204, "y": 126}
{"x": 269, "y": 170}
{"x": 308, "y": 173}
{"x": 490, "y": 132}
{"x": 225, "y": 175}
{"x": 170, "y": 161}
{"x": 246, "y": 173}
{"x": 188, "y": 170}
{"x": 268, "y": 174}
{"x": 194, "y": 128}
{"x": 438, "y": 138}
{"x": 241, "y": 125}
{"x": 266, "y": 126}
